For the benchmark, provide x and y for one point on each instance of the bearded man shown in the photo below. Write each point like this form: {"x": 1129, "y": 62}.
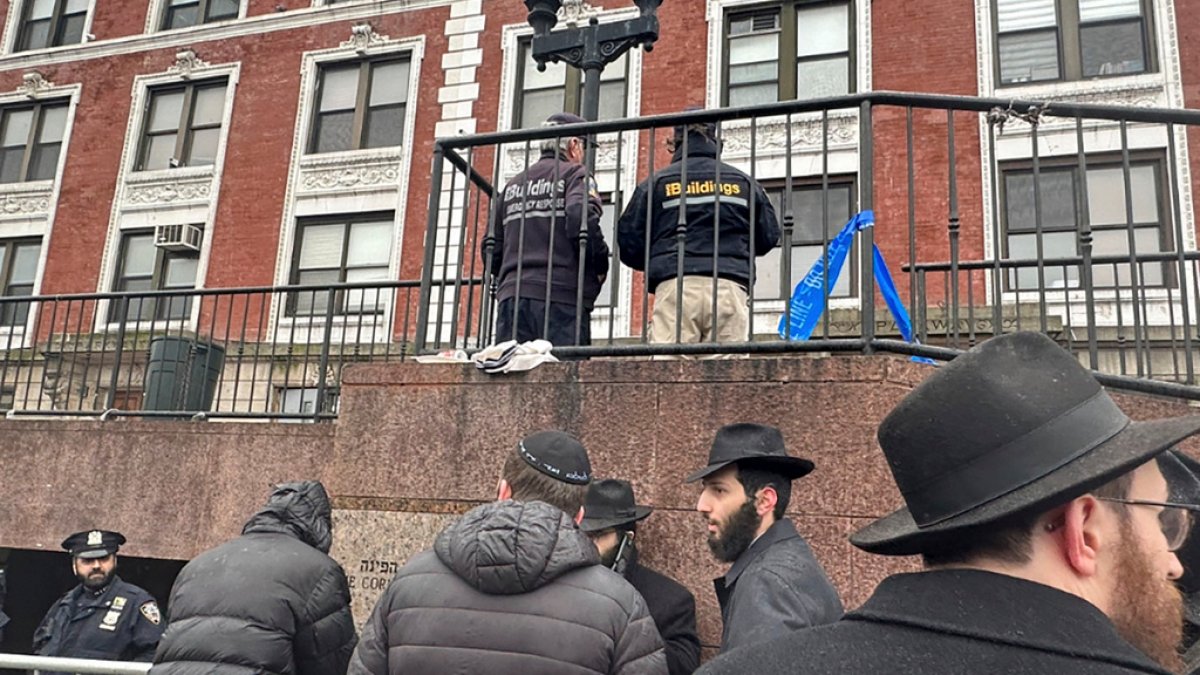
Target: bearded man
{"x": 1044, "y": 518}
{"x": 103, "y": 617}
{"x": 775, "y": 585}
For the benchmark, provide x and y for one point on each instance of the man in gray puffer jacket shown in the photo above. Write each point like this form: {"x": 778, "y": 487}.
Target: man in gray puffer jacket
{"x": 514, "y": 587}
{"x": 270, "y": 601}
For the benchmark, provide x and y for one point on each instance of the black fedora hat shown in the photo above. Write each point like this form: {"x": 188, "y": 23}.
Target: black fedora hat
{"x": 756, "y": 444}
{"x": 609, "y": 503}
{"x": 1015, "y": 426}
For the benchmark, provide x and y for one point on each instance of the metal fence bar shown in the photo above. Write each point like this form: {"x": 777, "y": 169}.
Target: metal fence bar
{"x": 61, "y": 664}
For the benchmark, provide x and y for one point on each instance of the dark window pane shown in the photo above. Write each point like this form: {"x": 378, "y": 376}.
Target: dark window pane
{"x": 44, "y": 162}
{"x": 222, "y": 9}
{"x": 182, "y": 17}
{"x": 334, "y": 131}
{"x": 10, "y": 164}
{"x": 1113, "y": 49}
{"x": 204, "y": 147}
{"x": 385, "y": 127}
{"x": 1057, "y": 200}
{"x": 159, "y": 152}
{"x": 1029, "y": 57}
{"x": 71, "y": 31}
{"x": 36, "y": 35}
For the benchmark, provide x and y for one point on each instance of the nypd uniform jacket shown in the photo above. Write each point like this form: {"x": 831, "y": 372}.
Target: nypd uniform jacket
{"x": 713, "y": 188}
{"x": 121, "y": 623}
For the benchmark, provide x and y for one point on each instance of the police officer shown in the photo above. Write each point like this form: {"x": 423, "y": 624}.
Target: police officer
{"x": 103, "y": 617}
{"x": 720, "y": 240}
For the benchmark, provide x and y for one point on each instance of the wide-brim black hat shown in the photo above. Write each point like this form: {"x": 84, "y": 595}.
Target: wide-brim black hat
{"x": 1015, "y": 426}
{"x": 756, "y": 445}
{"x": 610, "y": 503}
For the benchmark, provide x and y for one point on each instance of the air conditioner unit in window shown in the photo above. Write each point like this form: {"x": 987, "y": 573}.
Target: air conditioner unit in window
{"x": 178, "y": 237}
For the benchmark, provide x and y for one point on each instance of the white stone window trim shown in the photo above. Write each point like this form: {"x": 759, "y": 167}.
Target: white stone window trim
{"x": 12, "y": 29}
{"x": 717, "y": 10}
{"x": 255, "y": 25}
{"x": 362, "y": 45}
{"x": 511, "y": 36}
{"x": 158, "y": 10}
{"x": 185, "y": 71}
{"x": 1117, "y": 89}
{"x": 42, "y": 222}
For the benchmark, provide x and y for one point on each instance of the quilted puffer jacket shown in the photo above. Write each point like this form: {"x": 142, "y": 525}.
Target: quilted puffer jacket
{"x": 511, "y": 588}
{"x": 270, "y": 601}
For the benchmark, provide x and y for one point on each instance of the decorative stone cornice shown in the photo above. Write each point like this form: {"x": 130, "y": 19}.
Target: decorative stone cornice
{"x": 34, "y": 83}
{"x": 186, "y": 63}
{"x": 363, "y": 36}
{"x": 577, "y": 11}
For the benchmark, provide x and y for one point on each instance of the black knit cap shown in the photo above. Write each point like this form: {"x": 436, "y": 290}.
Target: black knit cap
{"x": 557, "y": 455}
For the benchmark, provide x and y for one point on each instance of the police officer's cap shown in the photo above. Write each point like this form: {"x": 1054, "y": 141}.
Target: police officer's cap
{"x": 93, "y": 543}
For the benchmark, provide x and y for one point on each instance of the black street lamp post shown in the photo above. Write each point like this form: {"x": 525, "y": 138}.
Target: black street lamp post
{"x": 589, "y": 48}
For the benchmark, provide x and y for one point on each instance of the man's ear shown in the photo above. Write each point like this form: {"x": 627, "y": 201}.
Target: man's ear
{"x": 503, "y": 490}
{"x": 765, "y": 501}
{"x": 579, "y": 516}
{"x": 1080, "y": 537}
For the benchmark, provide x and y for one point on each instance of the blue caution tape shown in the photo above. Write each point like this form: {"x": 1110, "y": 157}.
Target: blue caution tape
{"x": 808, "y": 299}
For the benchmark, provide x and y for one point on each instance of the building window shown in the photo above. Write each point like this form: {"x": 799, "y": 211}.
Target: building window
{"x": 341, "y": 250}
{"x": 797, "y": 50}
{"x": 143, "y": 266}
{"x": 1111, "y": 228}
{"x": 31, "y": 137}
{"x": 8, "y": 398}
{"x": 183, "y": 126}
{"x": 18, "y": 270}
{"x": 185, "y": 13}
{"x": 560, "y": 89}
{"x": 808, "y": 238}
{"x": 1043, "y": 40}
{"x": 608, "y": 227}
{"x": 360, "y": 105}
{"x": 51, "y": 23}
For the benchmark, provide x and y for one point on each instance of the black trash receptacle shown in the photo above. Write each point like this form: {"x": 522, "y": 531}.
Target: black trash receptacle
{"x": 182, "y": 374}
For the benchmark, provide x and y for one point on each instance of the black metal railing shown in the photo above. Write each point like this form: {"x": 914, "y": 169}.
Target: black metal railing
{"x": 272, "y": 352}
{"x": 993, "y": 215}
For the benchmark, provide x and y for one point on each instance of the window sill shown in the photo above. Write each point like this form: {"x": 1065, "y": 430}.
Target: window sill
{"x": 169, "y": 175}
{"x": 390, "y": 154}
{"x": 1139, "y": 89}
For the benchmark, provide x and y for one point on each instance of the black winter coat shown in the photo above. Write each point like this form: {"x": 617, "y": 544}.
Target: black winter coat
{"x": 511, "y": 588}
{"x": 121, "y": 622}
{"x": 270, "y": 601}
{"x": 673, "y": 608}
{"x": 737, "y": 231}
{"x": 774, "y": 587}
{"x": 951, "y": 622}
{"x": 537, "y": 219}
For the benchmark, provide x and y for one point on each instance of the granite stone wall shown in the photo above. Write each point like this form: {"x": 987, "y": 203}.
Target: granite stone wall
{"x": 415, "y": 445}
